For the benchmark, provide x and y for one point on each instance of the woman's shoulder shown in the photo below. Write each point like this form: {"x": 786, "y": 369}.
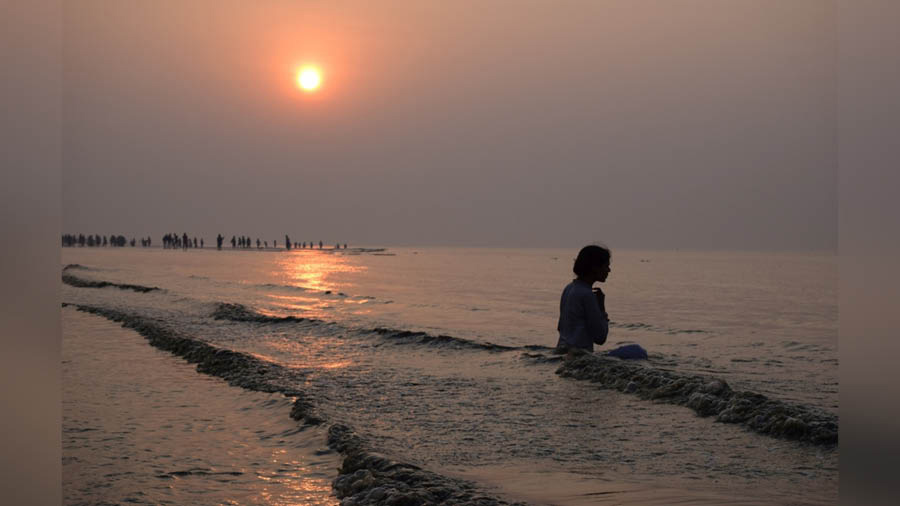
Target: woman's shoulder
{"x": 577, "y": 288}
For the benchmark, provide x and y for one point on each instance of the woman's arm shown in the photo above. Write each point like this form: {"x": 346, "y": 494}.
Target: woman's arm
{"x": 597, "y": 322}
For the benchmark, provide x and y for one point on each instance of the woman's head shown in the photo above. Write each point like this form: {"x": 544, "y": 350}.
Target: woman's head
{"x": 592, "y": 263}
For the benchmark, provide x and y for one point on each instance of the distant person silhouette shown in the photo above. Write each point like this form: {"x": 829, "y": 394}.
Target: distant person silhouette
{"x": 287, "y": 242}
{"x": 320, "y": 244}
{"x": 583, "y": 320}
{"x": 233, "y": 242}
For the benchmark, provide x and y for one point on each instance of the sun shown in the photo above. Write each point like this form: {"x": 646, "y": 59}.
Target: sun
{"x": 309, "y": 79}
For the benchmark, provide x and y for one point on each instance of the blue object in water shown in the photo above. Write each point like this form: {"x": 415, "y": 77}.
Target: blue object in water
{"x": 629, "y": 351}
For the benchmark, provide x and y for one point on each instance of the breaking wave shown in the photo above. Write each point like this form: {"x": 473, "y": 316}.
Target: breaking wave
{"x": 707, "y": 396}
{"x": 303, "y": 289}
{"x": 241, "y": 313}
{"x": 364, "y": 478}
{"x": 283, "y": 287}
{"x": 86, "y": 283}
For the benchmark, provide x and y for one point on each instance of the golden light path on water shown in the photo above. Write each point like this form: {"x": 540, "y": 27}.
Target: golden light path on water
{"x": 316, "y": 271}
{"x": 301, "y": 489}
{"x": 317, "y": 356}
{"x": 308, "y": 306}
{"x": 313, "y": 272}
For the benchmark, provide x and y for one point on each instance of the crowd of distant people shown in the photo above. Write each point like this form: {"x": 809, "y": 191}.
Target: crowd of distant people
{"x": 245, "y": 242}
{"x": 174, "y": 241}
{"x": 183, "y": 242}
{"x": 81, "y": 240}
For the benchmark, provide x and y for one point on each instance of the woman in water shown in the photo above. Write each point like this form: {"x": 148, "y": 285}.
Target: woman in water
{"x": 582, "y": 310}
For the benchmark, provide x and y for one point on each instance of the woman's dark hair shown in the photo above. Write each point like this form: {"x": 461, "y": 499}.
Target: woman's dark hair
{"x": 589, "y": 257}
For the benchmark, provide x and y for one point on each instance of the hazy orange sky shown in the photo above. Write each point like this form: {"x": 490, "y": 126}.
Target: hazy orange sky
{"x": 688, "y": 124}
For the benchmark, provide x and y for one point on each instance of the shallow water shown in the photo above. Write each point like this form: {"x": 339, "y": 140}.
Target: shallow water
{"x": 141, "y": 426}
{"x": 765, "y": 323}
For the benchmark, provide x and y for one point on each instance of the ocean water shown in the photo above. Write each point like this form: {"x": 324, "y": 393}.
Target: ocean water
{"x": 142, "y": 428}
{"x": 450, "y": 402}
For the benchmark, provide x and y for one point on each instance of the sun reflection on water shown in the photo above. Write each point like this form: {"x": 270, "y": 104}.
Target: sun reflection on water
{"x": 309, "y": 307}
{"x": 317, "y": 271}
{"x": 336, "y": 365}
{"x": 297, "y": 483}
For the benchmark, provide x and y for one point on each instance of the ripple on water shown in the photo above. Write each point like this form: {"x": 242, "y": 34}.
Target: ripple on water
{"x": 140, "y": 425}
